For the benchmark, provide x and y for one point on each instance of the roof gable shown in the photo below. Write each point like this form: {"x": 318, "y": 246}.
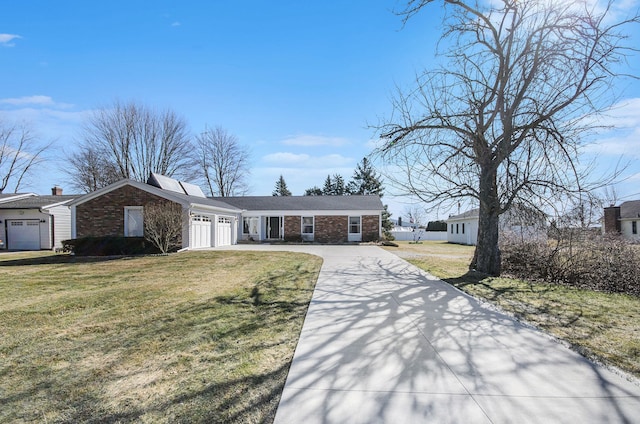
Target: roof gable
{"x": 630, "y": 209}
{"x": 183, "y": 199}
{"x": 37, "y": 202}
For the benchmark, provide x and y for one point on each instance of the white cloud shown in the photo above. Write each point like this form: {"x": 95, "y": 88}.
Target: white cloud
{"x": 619, "y": 132}
{"x": 28, "y": 100}
{"x": 38, "y": 100}
{"x": 176, "y": 24}
{"x": 305, "y": 161}
{"x": 6, "y": 39}
{"x": 286, "y": 158}
{"x": 314, "y": 140}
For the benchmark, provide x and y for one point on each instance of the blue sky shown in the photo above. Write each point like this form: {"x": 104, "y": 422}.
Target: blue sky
{"x": 297, "y": 82}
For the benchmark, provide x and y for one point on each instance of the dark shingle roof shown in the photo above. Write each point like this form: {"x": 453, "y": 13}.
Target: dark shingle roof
{"x": 304, "y": 203}
{"x": 630, "y": 209}
{"x": 36, "y": 202}
{"x": 214, "y": 202}
{"x": 472, "y": 213}
{"x": 7, "y": 195}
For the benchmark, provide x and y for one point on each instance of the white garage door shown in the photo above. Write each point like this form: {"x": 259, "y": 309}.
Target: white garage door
{"x": 223, "y": 232}
{"x": 23, "y": 234}
{"x": 200, "y": 231}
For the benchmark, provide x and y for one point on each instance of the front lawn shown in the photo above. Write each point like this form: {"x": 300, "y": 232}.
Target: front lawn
{"x": 190, "y": 337}
{"x": 600, "y": 325}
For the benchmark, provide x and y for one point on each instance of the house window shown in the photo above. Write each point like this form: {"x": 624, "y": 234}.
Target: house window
{"x": 354, "y": 225}
{"x": 451, "y": 228}
{"x": 634, "y": 227}
{"x": 457, "y": 228}
{"x": 307, "y": 225}
{"x": 133, "y": 221}
{"x": 250, "y": 225}
{"x": 463, "y": 228}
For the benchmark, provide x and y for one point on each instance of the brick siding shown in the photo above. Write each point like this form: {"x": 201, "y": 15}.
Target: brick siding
{"x": 370, "y": 228}
{"x": 104, "y": 215}
{"x": 331, "y": 229}
{"x": 612, "y": 220}
{"x": 292, "y": 228}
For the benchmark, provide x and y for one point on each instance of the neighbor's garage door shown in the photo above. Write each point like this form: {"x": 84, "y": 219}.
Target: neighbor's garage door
{"x": 23, "y": 234}
{"x": 200, "y": 231}
{"x": 223, "y": 231}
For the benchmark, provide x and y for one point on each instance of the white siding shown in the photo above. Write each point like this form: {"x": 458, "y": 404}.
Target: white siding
{"x": 626, "y": 229}
{"x": 61, "y": 225}
{"x": 463, "y": 231}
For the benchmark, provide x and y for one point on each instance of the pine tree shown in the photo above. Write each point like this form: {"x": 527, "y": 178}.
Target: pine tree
{"x": 281, "y": 188}
{"x": 334, "y": 186}
{"x": 313, "y": 191}
{"x": 327, "y": 188}
{"x": 365, "y": 180}
{"x": 339, "y": 188}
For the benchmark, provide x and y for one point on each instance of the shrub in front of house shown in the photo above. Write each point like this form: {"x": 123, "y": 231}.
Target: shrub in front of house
{"x": 109, "y": 246}
{"x": 608, "y": 264}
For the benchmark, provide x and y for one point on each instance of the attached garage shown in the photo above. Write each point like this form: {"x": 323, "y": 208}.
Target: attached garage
{"x": 23, "y": 234}
{"x": 32, "y": 222}
{"x": 105, "y": 212}
{"x": 223, "y": 231}
{"x": 200, "y": 231}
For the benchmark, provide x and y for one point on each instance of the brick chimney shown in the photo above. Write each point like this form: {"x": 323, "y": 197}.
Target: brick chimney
{"x": 612, "y": 220}
{"x": 56, "y": 191}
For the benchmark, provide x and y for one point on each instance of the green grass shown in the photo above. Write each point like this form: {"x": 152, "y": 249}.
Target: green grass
{"x": 602, "y": 326}
{"x": 190, "y": 337}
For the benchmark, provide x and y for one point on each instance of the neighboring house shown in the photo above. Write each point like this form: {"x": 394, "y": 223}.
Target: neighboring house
{"x": 623, "y": 220}
{"x": 518, "y": 221}
{"x": 32, "y": 222}
{"x": 211, "y": 222}
{"x": 322, "y": 219}
{"x": 118, "y": 210}
{"x": 463, "y": 228}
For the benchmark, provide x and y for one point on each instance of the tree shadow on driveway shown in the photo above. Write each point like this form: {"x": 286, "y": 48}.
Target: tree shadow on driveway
{"x": 386, "y": 342}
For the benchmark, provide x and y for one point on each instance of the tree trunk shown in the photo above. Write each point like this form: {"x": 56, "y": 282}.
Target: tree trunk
{"x": 486, "y": 258}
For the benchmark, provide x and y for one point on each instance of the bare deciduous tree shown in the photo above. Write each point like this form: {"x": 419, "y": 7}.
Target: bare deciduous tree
{"x": 135, "y": 140}
{"x": 163, "y": 225}
{"x": 415, "y": 214}
{"x": 19, "y": 154}
{"x": 502, "y": 120}
{"x": 223, "y": 162}
{"x": 90, "y": 169}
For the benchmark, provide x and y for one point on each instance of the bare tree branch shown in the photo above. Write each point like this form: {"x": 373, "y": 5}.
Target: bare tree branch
{"x": 503, "y": 121}
{"x": 19, "y": 154}
{"x": 224, "y": 163}
{"x": 133, "y": 140}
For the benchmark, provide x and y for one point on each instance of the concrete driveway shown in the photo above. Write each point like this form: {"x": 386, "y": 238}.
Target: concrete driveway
{"x": 384, "y": 342}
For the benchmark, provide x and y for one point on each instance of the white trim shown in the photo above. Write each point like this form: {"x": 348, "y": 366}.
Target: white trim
{"x": 354, "y": 236}
{"x": 17, "y": 197}
{"x": 308, "y": 236}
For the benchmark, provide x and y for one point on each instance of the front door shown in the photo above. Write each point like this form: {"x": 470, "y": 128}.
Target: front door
{"x": 273, "y": 227}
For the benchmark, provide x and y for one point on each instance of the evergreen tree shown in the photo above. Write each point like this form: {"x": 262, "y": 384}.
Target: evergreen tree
{"x": 313, "y": 191}
{"x": 334, "y": 186}
{"x": 281, "y": 188}
{"x": 327, "y": 188}
{"x": 339, "y": 188}
{"x": 365, "y": 180}
{"x": 387, "y": 225}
